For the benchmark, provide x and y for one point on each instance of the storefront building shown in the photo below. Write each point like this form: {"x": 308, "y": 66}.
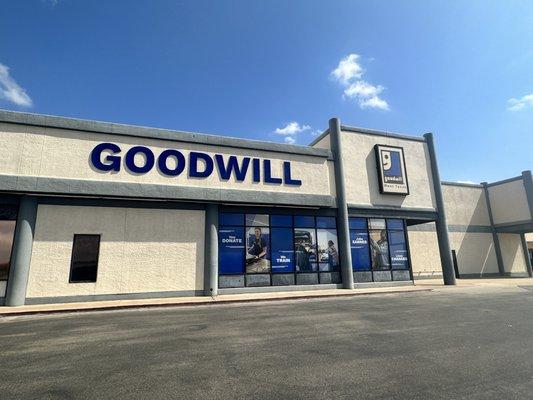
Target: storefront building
{"x": 95, "y": 211}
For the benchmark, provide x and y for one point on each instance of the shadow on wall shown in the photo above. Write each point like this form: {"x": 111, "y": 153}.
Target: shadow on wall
{"x": 474, "y": 247}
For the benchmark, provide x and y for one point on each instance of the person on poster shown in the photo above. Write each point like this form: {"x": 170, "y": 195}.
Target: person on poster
{"x": 380, "y": 251}
{"x": 333, "y": 256}
{"x": 257, "y": 249}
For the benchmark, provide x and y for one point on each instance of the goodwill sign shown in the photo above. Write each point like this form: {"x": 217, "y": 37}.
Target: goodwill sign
{"x": 107, "y": 157}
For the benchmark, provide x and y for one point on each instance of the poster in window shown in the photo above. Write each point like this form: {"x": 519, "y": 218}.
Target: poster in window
{"x": 257, "y": 250}
{"x": 328, "y": 253}
{"x": 231, "y": 250}
{"x": 398, "y": 250}
{"x": 360, "y": 250}
{"x": 305, "y": 249}
{"x": 282, "y": 250}
{"x": 379, "y": 246}
{"x": 392, "y": 174}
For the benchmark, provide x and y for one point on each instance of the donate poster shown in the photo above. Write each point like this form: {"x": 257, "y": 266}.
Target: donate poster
{"x": 231, "y": 250}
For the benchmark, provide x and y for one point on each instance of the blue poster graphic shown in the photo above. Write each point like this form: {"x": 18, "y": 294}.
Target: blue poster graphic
{"x": 282, "y": 250}
{"x": 398, "y": 250}
{"x": 360, "y": 250}
{"x": 231, "y": 250}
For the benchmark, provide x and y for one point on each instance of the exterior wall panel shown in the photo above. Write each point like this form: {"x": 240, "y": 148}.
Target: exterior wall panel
{"x": 512, "y": 253}
{"x": 141, "y": 250}
{"x": 509, "y": 202}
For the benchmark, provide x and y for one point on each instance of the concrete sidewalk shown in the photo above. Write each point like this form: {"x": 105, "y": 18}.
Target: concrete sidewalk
{"x": 202, "y": 300}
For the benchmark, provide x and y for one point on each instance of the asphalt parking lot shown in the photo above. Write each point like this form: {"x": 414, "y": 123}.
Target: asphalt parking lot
{"x": 461, "y": 343}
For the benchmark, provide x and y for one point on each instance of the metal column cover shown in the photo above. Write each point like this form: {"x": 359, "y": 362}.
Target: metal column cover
{"x": 342, "y": 205}
{"x": 526, "y": 255}
{"x": 448, "y": 273}
{"x": 211, "y": 250}
{"x": 19, "y": 269}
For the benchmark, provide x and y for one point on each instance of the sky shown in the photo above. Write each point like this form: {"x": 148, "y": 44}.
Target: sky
{"x": 278, "y": 70}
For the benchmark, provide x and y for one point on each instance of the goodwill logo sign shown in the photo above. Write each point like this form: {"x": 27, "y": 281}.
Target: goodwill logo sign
{"x": 392, "y": 174}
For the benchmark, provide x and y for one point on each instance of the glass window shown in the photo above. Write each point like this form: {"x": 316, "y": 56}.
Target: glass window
{"x": 231, "y": 250}
{"x": 328, "y": 253}
{"x": 84, "y": 263}
{"x": 7, "y": 230}
{"x": 304, "y": 221}
{"x": 326, "y": 222}
{"x": 380, "y": 249}
{"x": 282, "y": 250}
{"x": 360, "y": 250}
{"x": 256, "y": 219}
{"x": 376, "y": 223}
{"x": 231, "y": 219}
{"x": 357, "y": 223}
{"x": 281, "y": 221}
{"x": 398, "y": 250}
{"x": 257, "y": 250}
{"x": 305, "y": 249}
{"x": 395, "y": 224}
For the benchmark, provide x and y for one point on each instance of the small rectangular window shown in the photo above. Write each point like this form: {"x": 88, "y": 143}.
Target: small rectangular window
{"x": 326, "y": 222}
{"x": 304, "y": 221}
{"x": 357, "y": 223}
{"x": 84, "y": 263}
{"x": 395, "y": 224}
{"x": 231, "y": 219}
{"x": 281, "y": 221}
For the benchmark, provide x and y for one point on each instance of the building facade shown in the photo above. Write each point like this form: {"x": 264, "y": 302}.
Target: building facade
{"x": 92, "y": 210}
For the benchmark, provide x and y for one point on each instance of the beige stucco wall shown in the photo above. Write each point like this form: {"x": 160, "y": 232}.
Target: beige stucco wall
{"x": 509, "y": 202}
{"x": 465, "y": 205}
{"x": 60, "y": 153}
{"x": 141, "y": 250}
{"x": 475, "y": 251}
{"x": 361, "y": 177}
{"x": 512, "y": 253}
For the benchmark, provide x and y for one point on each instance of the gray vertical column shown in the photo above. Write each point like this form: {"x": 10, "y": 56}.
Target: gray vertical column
{"x": 342, "y": 205}
{"x": 211, "y": 250}
{"x": 19, "y": 270}
{"x": 448, "y": 272}
{"x": 495, "y": 237}
{"x": 526, "y": 255}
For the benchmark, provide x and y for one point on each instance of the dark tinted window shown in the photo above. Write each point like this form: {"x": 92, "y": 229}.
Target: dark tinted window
{"x": 84, "y": 264}
{"x": 281, "y": 220}
{"x": 231, "y": 219}
{"x": 304, "y": 221}
{"x": 357, "y": 223}
{"x": 7, "y": 229}
{"x": 395, "y": 224}
{"x": 326, "y": 222}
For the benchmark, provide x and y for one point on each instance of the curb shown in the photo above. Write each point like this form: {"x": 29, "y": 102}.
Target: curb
{"x": 212, "y": 302}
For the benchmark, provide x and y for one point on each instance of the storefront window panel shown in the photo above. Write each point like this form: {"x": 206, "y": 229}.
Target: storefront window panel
{"x": 304, "y": 221}
{"x": 231, "y": 250}
{"x": 376, "y": 223}
{"x": 282, "y": 250}
{"x": 257, "y": 220}
{"x": 230, "y": 219}
{"x": 257, "y": 250}
{"x": 398, "y": 250}
{"x": 282, "y": 221}
{"x": 357, "y": 223}
{"x": 380, "y": 249}
{"x": 305, "y": 249}
{"x": 360, "y": 250}
{"x": 328, "y": 253}
{"x": 395, "y": 224}
{"x": 326, "y": 222}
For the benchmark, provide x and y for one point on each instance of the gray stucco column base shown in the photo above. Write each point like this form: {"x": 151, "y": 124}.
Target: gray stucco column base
{"x": 448, "y": 273}
{"x": 19, "y": 270}
{"x": 211, "y": 250}
{"x": 342, "y": 205}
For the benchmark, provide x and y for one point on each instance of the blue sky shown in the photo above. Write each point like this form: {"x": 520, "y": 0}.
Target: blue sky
{"x": 463, "y": 70}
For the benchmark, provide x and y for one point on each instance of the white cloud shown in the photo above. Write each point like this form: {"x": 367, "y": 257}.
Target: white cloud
{"x": 290, "y": 140}
{"x": 521, "y": 103}
{"x": 292, "y": 128}
{"x": 349, "y": 73}
{"x": 348, "y": 69}
{"x": 316, "y": 132}
{"x": 11, "y": 91}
